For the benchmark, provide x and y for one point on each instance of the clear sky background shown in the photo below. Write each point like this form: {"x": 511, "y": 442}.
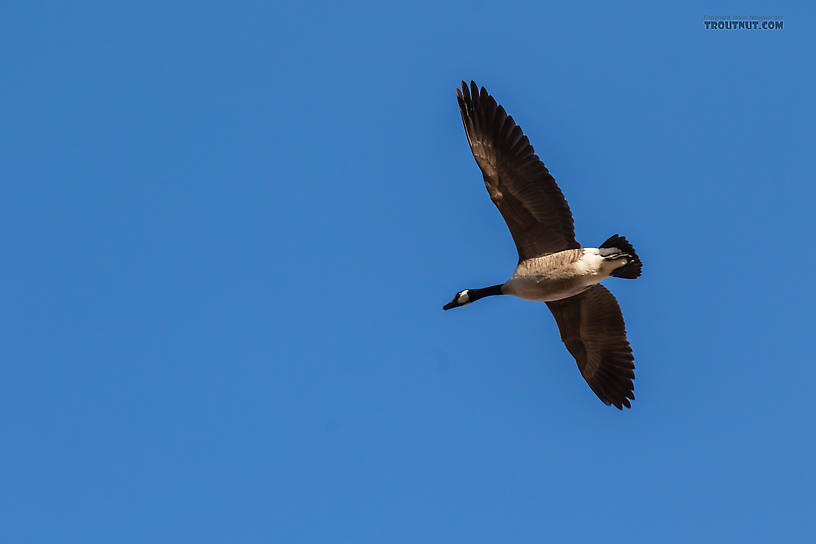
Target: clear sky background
{"x": 229, "y": 230}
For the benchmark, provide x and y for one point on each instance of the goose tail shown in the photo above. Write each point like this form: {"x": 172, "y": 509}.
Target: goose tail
{"x": 618, "y": 247}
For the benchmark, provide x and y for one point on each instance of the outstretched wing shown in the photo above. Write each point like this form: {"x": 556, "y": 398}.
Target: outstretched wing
{"x": 593, "y": 330}
{"x": 519, "y": 184}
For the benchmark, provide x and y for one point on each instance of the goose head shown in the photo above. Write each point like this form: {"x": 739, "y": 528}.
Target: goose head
{"x": 460, "y": 299}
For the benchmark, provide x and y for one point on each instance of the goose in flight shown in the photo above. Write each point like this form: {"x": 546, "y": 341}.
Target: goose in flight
{"x": 552, "y": 266}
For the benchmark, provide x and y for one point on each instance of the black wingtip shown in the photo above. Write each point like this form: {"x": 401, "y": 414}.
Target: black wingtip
{"x": 614, "y": 398}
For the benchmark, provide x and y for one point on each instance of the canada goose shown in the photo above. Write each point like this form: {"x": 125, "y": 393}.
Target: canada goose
{"x": 552, "y": 266}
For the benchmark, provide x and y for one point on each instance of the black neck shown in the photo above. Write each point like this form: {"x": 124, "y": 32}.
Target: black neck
{"x": 476, "y": 294}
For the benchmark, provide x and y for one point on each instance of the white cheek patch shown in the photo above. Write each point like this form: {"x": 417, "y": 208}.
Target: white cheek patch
{"x": 463, "y": 297}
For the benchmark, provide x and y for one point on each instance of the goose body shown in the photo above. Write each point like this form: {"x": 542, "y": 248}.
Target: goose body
{"x": 552, "y": 266}
{"x": 559, "y": 275}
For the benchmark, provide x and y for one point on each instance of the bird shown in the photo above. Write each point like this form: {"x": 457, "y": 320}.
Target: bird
{"x": 552, "y": 266}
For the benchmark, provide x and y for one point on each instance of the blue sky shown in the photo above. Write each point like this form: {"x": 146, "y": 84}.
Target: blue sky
{"x": 230, "y": 229}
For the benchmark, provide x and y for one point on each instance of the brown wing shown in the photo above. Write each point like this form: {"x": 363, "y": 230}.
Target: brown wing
{"x": 518, "y": 182}
{"x": 592, "y": 328}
